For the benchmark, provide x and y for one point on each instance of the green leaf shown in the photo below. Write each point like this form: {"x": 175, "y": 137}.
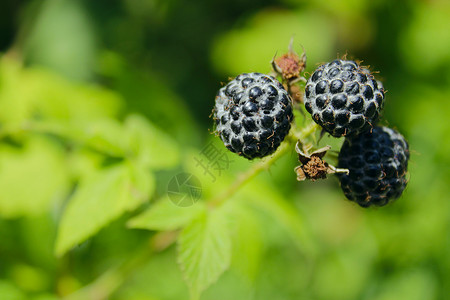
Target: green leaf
{"x": 32, "y": 178}
{"x": 57, "y": 99}
{"x": 152, "y": 147}
{"x": 165, "y": 215}
{"x": 262, "y": 196}
{"x": 247, "y": 241}
{"x": 29, "y": 278}
{"x": 101, "y": 198}
{"x": 29, "y": 92}
{"x": 15, "y": 103}
{"x": 10, "y": 292}
{"x": 104, "y": 135}
{"x": 136, "y": 139}
{"x": 204, "y": 250}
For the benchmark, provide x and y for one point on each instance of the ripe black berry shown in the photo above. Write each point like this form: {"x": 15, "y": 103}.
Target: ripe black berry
{"x": 377, "y": 162}
{"x": 344, "y": 98}
{"x": 253, "y": 114}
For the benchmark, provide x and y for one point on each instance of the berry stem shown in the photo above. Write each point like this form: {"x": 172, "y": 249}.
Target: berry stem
{"x": 264, "y": 164}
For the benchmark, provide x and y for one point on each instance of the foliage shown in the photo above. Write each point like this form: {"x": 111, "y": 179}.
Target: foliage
{"x": 102, "y": 103}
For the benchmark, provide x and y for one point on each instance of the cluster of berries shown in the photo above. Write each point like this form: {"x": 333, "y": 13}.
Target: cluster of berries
{"x": 253, "y": 115}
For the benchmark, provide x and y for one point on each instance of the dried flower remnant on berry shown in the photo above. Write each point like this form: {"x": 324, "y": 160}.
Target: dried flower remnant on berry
{"x": 290, "y": 65}
{"x": 312, "y": 165}
{"x": 315, "y": 168}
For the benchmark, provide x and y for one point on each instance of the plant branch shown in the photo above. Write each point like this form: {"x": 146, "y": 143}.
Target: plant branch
{"x": 263, "y": 164}
{"x": 112, "y": 279}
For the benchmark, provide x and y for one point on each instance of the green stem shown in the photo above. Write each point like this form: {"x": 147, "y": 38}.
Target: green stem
{"x": 263, "y": 164}
{"x": 111, "y": 280}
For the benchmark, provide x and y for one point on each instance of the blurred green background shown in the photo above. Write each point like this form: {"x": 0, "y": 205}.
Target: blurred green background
{"x": 103, "y": 102}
